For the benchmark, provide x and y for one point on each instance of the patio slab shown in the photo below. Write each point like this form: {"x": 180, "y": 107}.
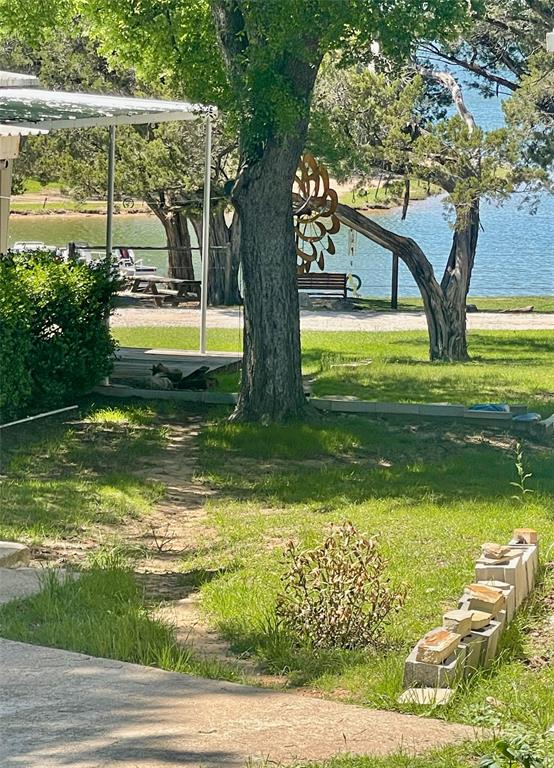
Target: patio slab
{"x": 59, "y": 708}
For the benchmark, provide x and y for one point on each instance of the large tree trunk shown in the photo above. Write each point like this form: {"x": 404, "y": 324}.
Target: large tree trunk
{"x": 446, "y": 323}
{"x": 177, "y": 236}
{"x": 179, "y": 247}
{"x": 444, "y": 303}
{"x": 223, "y": 286}
{"x": 271, "y": 385}
{"x": 272, "y": 138}
{"x": 457, "y": 277}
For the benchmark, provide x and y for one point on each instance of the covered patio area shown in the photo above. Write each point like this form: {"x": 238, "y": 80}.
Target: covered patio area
{"x": 26, "y": 109}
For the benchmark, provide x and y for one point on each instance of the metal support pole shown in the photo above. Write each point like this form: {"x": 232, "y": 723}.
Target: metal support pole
{"x": 111, "y": 188}
{"x": 394, "y": 283}
{"x": 206, "y": 233}
{"x": 109, "y": 212}
{"x": 5, "y": 193}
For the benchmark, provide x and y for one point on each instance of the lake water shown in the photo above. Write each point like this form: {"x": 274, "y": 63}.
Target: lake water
{"x": 515, "y": 254}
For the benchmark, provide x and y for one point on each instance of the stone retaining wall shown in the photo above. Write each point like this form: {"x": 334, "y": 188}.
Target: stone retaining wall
{"x": 469, "y": 638}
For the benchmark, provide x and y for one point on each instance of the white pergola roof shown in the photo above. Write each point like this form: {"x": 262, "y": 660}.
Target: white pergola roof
{"x": 16, "y": 80}
{"x": 16, "y": 130}
{"x": 32, "y": 108}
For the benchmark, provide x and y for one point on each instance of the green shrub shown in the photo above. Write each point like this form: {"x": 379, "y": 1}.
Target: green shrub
{"x": 54, "y": 343}
{"x": 337, "y": 595}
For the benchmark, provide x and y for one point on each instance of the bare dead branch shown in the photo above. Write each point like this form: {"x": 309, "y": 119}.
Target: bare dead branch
{"x": 451, "y": 84}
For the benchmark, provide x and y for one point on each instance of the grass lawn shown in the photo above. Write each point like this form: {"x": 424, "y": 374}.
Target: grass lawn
{"x": 388, "y": 195}
{"x": 49, "y": 465}
{"x": 50, "y": 198}
{"x": 57, "y": 206}
{"x": 104, "y": 614}
{"x": 506, "y": 366}
{"x": 483, "y": 303}
{"x": 61, "y": 206}
{"x": 431, "y": 493}
{"x": 451, "y": 757}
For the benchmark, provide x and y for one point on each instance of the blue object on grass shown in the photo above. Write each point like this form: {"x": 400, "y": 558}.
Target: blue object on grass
{"x": 496, "y": 407}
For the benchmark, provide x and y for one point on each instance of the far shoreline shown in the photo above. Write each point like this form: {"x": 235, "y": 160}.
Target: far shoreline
{"x": 64, "y": 213}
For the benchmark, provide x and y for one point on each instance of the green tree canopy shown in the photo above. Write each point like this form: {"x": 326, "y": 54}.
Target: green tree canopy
{"x": 367, "y": 124}
{"x": 504, "y": 51}
{"x": 258, "y": 61}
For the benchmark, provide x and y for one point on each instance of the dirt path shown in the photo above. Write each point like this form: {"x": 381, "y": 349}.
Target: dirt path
{"x": 164, "y": 535}
{"x": 324, "y": 320}
{"x": 88, "y": 712}
{"x": 179, "y": 523}
{"x": 158, "y": 541}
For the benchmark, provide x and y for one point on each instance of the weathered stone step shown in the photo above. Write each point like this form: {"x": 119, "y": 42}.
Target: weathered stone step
{"x": 13, "y": 554}
{"x": 16, "y": 583}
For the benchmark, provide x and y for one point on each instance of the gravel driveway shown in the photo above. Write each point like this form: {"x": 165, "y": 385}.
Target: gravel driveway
{"x": 325, "y": 320}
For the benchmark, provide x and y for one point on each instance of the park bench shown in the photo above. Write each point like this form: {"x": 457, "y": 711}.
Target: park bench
{"x": 328, "y": 284}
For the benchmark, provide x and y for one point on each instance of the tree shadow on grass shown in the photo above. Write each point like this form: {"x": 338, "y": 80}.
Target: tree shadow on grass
{"x": 43, "y": 507}
{"x": 411, "y": 348}
{"x": 75, "y": 473}
{"x": 279, "y": 654}
{"x": 175, "y": 585}
{"x": 381, "y": 461}
{"x": 444, "y": 387}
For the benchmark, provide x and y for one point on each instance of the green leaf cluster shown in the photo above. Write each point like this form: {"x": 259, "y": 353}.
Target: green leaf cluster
{"x": 253, "y": 59}
{"x": 54, "y": 340}
{"x": 368, "y": 124}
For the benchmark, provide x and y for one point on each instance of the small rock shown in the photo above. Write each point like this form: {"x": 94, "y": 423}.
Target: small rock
{"x": 480, "y": 619}
{"x": 494, "y": 551}
{"x": 526, "y": 535}
{"x": 482, "y": 598}
{"x": 458, "y": 621}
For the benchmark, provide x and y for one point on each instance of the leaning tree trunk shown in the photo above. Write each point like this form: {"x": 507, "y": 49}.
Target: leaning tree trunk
{"x": 445, "y": 321}
{"x": 444, "y": 303}
{"x": 457, "y": 277}
{"x": 271, "y": 385}
{"x": 223, "y": 286}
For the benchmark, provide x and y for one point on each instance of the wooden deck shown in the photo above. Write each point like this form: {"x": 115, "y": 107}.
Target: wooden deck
{"x": 137, "y": 360}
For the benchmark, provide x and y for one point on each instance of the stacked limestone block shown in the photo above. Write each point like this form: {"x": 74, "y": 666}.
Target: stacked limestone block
{"x": 469, "y": 637}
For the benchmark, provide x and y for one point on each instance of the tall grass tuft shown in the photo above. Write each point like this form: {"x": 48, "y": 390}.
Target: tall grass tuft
{"x": 102, "y": 614}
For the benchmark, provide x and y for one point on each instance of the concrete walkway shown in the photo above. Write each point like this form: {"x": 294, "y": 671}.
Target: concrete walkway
{"x": 322, "y": 320}
{"x": 66, "y": 710}
{"x": 20, "y": 582}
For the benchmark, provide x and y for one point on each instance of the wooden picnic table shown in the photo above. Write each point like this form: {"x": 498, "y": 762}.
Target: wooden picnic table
{"x": 167, "y": 290}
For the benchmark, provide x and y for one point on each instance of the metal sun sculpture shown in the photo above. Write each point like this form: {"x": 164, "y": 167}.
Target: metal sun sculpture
{"x": 315, "y": 220}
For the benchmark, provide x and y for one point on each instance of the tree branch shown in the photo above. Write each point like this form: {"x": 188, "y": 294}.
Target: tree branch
{"x": 231, "y": 33}
{"x": 538, "y": 7}
{"x": 477, "y": 69}
{"x": 450, "y": 83}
